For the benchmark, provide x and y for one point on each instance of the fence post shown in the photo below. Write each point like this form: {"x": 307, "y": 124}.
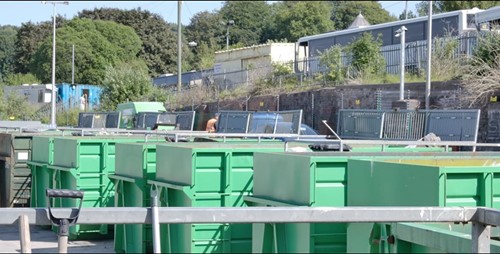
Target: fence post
{"x": 24, "y": 232}
{"x": 480, "y": 238}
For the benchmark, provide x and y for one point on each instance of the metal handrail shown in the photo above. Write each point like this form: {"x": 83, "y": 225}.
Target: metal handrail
{"x": 481, "y": 218}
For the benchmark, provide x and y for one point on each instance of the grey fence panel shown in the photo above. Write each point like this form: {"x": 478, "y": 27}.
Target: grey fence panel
{"x": 403, "y": 125}
{"x": 493, "y": 126}
{"x": 453, "y": 125}
{"x": 449, "y": 125}
{"x": 360, "y": 124}
{"x": 233, "y": 121}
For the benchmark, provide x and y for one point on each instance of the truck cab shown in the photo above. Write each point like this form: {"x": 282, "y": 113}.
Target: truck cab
{"x": 130, "y": 110}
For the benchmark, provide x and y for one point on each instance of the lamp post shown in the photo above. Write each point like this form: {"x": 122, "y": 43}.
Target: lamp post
{"x": 179, "y": 48}
{"x": 228, "y": 24}
{"x": 401, "y": 32}
{"x": 429, "y": 52}
{"x": 53, "y": 100}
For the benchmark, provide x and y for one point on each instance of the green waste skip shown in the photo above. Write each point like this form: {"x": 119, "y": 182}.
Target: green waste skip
{"x": 206, "y": 175}
{"x": 309, "y": 179}
{"x": 41, "y": 176}
{"x": 465, "y": 181}
{"x": 83, "y": 163}
{"x": 135, "y": 164}
{"x": 15, "y": 174}
{"x": 426, "y": 238}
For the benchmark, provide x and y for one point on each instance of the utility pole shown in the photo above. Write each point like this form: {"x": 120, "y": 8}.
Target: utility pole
{"x": 179, "y": 48}
{"x": 406, "y": 9}
{"x": 429, "y": 50}
{"x": 53, "y": 100}
{"x": 401, "y": 33}
{"x": 73, "y": 66}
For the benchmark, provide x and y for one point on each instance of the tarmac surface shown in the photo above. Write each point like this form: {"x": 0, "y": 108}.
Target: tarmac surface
{"x": 45, "y": 241}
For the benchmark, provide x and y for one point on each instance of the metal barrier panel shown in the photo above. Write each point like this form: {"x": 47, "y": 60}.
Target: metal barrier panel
{"x": 449, "y": 125}
{"x": 290, "y": 123}
{"x": 454, "y": 125}
{"x": 233, "y": 121}
{"x": 113, "y": 120}
{"x": 85, "y": 120}
{"x": 403, "y": 125}
{"x": 360, "y": 123}
{"x": 493, "y": 126}
{"x": 185, "y": 120}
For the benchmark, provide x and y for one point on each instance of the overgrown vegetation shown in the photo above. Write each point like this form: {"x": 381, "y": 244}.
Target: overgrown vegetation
{"x": 481, "y": 77}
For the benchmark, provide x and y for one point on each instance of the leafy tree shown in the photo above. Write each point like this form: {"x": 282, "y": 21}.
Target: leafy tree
{"x": 15, "y": 79}
{"x": 446, "y": 6}
{"x": 208, "y": 28}
{"x": 365, "y": 53}
{"x": 297, "y": 19}
{"x": 98, "y": 44}
{"x": 423, "y": 8}
{"x": 250, "y": 19}
{"x": 344, "y": 13}
{"x": 205, "y": 56}
{"x": 411, "y": 15}
{"x": 332, "y": 60}
{"x": 125, "y": 82}
{"x": 28, "y": 40}
{"x": 159, "y": 38}
{"x": 7, "y": 47}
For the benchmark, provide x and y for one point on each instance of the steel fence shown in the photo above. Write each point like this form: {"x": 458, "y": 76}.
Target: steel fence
{"x": 415, "y": 63}
{"x": 449, "y": 125}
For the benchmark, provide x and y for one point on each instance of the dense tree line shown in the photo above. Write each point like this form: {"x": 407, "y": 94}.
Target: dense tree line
{"x": 114, "y": 41}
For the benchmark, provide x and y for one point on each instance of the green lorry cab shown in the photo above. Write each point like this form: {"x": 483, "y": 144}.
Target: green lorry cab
{"x": 130, "y": 110}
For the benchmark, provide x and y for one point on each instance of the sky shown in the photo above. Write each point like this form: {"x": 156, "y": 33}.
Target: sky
{"x": 18, "y": 12}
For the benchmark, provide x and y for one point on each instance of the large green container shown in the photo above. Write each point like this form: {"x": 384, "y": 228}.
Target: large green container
{"x": 426, "y": 238}
{"x": 135, "y": 164}
{"x": 472, "y": 181}
{"x": 41, "y": 176}
{"x": 206, "y": 175}
{"x": 309, "y": 179}
{"x": 83, "y": 163}
{"x": 15, "y": 175}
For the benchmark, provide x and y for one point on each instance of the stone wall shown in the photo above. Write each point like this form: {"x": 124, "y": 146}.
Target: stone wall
{"x": 324, "y": 104}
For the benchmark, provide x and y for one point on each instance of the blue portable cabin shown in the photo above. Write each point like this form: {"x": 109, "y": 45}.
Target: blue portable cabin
{"x": 70, "y": 95}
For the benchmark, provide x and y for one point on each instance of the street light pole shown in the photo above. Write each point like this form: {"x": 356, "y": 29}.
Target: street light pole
{"x": 229, "y": 24}
{"x": 429, "y": 55}
{"x": 53, "y": 100}
{"x": 179, "y": 48}
{"x": 73, "y": 66}
{"x": 401, "y": 33}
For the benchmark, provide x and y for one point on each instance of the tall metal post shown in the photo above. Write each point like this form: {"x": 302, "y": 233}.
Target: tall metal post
{"x": 406, "y": 9}
{"x": 429, "y": 51}
{"x": 401, "y": 33}
{"x": 53, "y": 100}
{"x": 73, "y": 66}
{"x": 227, "y": 38}
{"x": 179, "y": 47}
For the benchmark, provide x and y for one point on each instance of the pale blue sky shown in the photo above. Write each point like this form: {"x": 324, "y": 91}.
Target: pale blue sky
{"x": 18, "y": 12}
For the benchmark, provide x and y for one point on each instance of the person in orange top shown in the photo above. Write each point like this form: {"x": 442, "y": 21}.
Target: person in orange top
{"x": 211, "y": 124}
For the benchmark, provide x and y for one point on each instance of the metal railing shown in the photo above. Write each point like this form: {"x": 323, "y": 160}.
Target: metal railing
{"x": 481, "y": 218}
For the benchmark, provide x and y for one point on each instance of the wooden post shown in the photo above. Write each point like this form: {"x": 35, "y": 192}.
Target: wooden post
{"x": 24, "y": 234}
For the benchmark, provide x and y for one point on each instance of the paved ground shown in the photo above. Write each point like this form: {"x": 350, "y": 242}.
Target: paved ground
{"x": 45, "y": 241}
